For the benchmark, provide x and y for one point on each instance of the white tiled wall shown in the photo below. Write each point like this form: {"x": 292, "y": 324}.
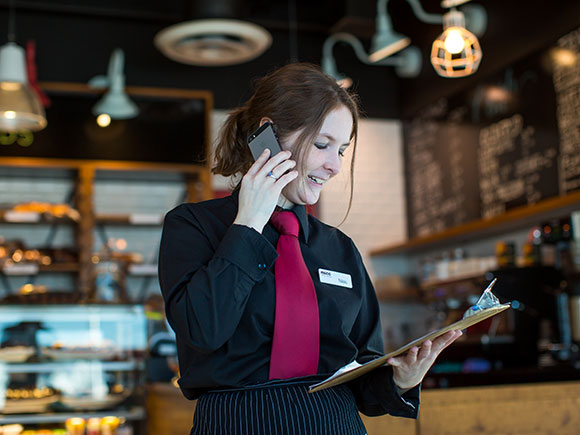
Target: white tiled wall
{"x": 377, "y": 217}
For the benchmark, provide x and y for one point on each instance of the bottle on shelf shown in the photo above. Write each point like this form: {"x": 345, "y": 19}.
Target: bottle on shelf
{"x": 505, "y": 254}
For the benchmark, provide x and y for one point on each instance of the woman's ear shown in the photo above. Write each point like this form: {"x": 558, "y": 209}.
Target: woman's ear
{"x": 264, "y": 120}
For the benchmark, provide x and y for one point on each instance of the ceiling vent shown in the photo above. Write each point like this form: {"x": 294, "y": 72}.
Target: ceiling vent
{"x": 213, "y": 42}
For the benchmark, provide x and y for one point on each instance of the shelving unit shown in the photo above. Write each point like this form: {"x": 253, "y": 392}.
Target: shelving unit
{"x": 82, "y": 180}
{"x": 514, "y": 219}
{"x": 196, "y": 183}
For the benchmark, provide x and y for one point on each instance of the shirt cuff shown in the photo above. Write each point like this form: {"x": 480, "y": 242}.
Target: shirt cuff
{"x": 249, "y": 250}
{"x": 377, "y": 394}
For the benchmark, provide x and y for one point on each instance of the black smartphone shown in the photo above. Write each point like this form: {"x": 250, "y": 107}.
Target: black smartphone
{"x": 264, "y": 137}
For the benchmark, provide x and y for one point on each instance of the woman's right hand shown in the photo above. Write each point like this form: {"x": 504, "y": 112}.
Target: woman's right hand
{"x": 259, "y": 192}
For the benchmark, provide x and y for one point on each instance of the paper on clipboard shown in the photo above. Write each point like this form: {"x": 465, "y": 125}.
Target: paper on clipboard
{"x": 353, "y": 371}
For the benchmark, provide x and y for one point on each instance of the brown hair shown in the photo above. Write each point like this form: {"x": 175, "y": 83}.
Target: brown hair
{"x": 296, "y": 96}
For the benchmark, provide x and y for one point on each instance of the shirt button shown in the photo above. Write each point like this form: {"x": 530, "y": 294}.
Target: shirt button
{"x": 261, "y": 266}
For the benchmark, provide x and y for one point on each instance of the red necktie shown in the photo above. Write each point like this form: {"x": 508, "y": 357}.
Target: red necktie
{"x": 296, "y": 327}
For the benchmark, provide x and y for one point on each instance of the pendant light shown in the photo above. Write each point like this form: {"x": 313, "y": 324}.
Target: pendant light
{"x": 386, "y": 41}
{"x": 116, "y": 104}
{"x": 20, "y": 107}
{"x": 456, "y": 52}
{"x": 407, "y": 63}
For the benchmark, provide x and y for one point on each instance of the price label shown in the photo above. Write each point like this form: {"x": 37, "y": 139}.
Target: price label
{"x": 143, "y": 269}
{"x": 145, "y": 219}
{"x": 21, "y": 216}
{"x": 21, "y": 269}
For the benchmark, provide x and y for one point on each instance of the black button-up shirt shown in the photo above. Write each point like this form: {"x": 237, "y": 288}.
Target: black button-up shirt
{"x": 218, "y": 284}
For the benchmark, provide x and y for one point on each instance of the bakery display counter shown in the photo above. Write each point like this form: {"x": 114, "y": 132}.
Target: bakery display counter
{"x": 72, "y": 361}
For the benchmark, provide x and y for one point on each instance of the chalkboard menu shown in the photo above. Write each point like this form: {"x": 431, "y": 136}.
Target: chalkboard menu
{"x": 513, "y": 140}
{"x": 567, "y": 85}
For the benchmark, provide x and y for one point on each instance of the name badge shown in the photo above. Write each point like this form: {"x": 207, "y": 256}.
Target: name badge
{"x": 335, "y": 278}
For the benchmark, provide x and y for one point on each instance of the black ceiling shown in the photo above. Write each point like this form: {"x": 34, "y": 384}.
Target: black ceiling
{"x": 75, "y": 39}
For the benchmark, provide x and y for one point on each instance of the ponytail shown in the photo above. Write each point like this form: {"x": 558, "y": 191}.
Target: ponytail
{"x": 232, "y": 155}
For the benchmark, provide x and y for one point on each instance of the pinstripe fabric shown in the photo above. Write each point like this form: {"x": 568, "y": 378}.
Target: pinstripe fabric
{"x": 278, "y": 410}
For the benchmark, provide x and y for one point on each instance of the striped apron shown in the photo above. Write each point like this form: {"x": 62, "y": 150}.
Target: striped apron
{"x": 279, "y": 409}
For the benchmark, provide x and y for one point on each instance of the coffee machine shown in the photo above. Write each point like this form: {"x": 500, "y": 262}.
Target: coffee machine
{"x": 540, "y": 311}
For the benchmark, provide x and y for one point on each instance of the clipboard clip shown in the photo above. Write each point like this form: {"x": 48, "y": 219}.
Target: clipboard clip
{"x": 486, "y": 300}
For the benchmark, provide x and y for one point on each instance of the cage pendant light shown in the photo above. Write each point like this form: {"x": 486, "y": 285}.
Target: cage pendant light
{"x": 456, "y": 52}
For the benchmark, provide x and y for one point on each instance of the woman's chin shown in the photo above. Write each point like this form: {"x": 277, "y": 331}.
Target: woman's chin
{"x": 303, "y": 195}
{"x": 311, "y": 198}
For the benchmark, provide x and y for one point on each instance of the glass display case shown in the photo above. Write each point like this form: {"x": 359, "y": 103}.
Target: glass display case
{"x": 64, "y": 361}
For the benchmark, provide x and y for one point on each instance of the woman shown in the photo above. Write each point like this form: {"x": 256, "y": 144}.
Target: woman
{"x": 248, "y": 350}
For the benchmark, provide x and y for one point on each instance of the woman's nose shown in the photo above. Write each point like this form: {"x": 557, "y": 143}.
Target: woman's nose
{"x": 333, "y": 164}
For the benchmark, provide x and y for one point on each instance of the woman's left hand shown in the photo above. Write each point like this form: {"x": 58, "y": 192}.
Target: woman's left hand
{"x": 410, "y": 368}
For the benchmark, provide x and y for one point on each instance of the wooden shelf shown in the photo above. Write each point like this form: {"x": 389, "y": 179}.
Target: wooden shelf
{"x": 405, "y": 298}
{"x": 61, "y": 268}
{"x": 33, "y": 269}
{"x": 108, "y": 165}
{"x": 479, "y": 276}
{"x": 11, "y": 217}
{"x": 512, "y": 220}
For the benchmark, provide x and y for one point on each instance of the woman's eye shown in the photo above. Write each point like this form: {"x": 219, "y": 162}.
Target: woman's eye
{"x": 320, "y": 146}
{"x": 341, "y": 153}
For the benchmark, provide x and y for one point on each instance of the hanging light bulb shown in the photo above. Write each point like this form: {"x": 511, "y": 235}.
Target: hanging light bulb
{"x": 454, "y": 42}
{"x": 103, "y": 120}
{"x": 456, "y": 52}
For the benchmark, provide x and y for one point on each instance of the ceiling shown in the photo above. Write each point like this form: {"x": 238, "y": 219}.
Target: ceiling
{"x": 75, "y": 39}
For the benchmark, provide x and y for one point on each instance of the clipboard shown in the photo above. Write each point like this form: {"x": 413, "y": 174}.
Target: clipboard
{"x": 353, "y": 371}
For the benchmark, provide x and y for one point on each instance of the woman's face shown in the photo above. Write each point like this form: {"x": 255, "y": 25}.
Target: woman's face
{"x": 323, "y": 158}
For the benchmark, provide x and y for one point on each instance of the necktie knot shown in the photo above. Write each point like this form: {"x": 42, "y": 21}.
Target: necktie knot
{"x": 286, "y": 223}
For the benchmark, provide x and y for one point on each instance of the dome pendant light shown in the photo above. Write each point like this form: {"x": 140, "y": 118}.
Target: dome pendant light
{"x": 116, "y": 104}
{"x": 20, "y": 107}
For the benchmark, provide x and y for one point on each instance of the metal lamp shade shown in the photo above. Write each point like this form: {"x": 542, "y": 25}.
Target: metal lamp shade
{"x": 20, "y": 108}
{"x": 117, "y": 105}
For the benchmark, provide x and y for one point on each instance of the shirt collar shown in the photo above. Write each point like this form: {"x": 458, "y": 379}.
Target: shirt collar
{"x": 298, "y": 210}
